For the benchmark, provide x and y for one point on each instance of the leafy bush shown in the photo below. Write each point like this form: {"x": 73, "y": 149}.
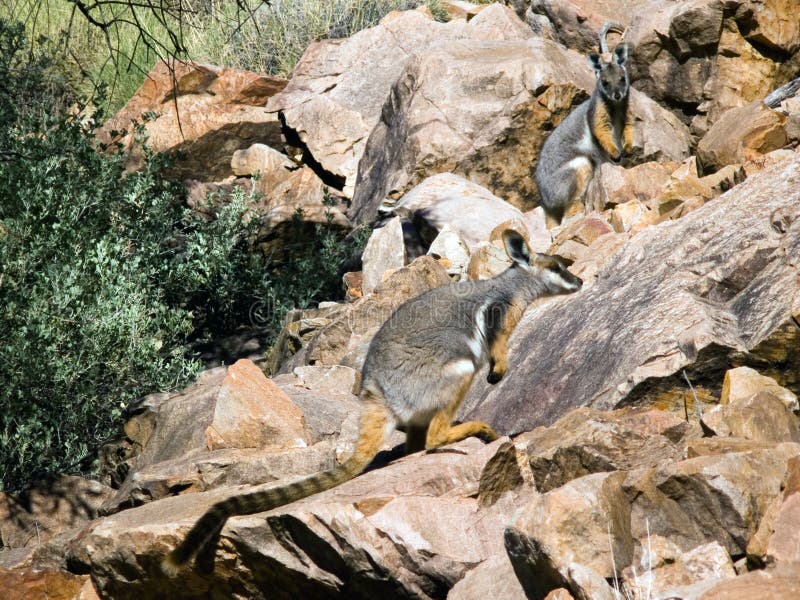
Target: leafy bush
{"x": 105, "y": 278}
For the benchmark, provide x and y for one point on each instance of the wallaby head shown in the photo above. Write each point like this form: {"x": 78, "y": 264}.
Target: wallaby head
{"x": 612, "y": 77}
{"x": 549, "y": 271}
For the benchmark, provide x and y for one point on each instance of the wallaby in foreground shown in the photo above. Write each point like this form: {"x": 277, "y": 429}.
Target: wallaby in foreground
{"x": 596, "y": 131}
{"x": 418, "y": 368}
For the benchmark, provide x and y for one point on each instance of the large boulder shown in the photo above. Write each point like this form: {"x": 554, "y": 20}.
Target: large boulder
{"x": 705, "y": 56}
{"x": 205, "y": 113}
{"x": 234, "y": 426}
{"x": 469, "y": 209}
{"x": 409, "y": 530}
{"x": 338, "y": 87}
{"x": 742, "y": 134}
{"x": 697, "y": 293}
{"x": 482, "y": 110}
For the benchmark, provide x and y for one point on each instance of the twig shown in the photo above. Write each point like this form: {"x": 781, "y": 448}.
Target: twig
{"x": 697, "y": 408}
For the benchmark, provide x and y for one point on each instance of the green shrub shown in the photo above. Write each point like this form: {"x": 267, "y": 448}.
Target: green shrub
{"x": 106, "y": 279}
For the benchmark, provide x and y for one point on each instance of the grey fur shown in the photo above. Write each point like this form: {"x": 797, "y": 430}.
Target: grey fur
{"x": 574, "y": 143}
{"x": 418, "y": 359}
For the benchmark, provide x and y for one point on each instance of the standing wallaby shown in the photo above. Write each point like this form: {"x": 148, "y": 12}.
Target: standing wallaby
{"x": 596, "y": 131}
{"x": 418, "y": 368}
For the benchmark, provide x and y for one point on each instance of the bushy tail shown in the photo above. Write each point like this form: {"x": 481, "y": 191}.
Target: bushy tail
{"x": 374, "y": 426}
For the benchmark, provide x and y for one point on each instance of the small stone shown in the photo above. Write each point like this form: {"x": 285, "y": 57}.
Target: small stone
{"x": 385, "y": 251}
{"x": 449, "y": 245}
{"x": 259, "y": 158}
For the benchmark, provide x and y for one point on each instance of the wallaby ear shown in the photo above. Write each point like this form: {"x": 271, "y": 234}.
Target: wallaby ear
{"x": 596, "y": 63}
{"x": 516, "y": 247}
{"x": 621, "y": 54}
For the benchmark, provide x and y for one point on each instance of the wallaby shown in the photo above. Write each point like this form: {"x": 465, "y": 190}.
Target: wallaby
{"x": 417, "y": 370}
{"x": 596, "y": 131}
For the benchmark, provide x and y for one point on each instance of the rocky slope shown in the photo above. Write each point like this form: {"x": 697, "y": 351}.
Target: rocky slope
{"x": 651, "y": 445}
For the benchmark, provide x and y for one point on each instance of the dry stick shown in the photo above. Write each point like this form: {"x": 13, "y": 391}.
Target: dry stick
{"x": 696, "y": 401}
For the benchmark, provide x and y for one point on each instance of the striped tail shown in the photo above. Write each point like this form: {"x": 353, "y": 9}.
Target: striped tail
{"x": 374, "y": 427}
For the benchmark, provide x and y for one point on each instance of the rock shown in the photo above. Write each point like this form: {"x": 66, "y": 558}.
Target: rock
{"x": 722, "y": 445}
{"x": 384, "y": 253}
{"x": 577, "y": 22}
{"x": 280, "y": 195}
{"x": 559, "y": 594}
{"x": 718, "y": 498}
{"x": 589, "y": 441}
{"x": 670, "y": 575}
{"x": 225, "y": 467}
{"x": 327, "y": 394}
{"x": 252, "y": 412}
{"x": 617, "y": 185}
{"x": 493, "y": 578}
{"x": 776, "y": 584}
{"x": 413, "y": 521}
{"x": 346, "y": 338}
{"x": 743, "y": 383}
{"x": 575, "y": 537}
{"x": 777, "y": 541}
{"x": 448, "y": 245}
{"x": 659, "y": 135}
{"x": 681, "y": 196}
{"x": 233, "y": 426}
{"x": 48, "y": 508}
{"x": 259, "y": 158}
{"x": 457, "y": 9}
{"x": 338, "y": 88}
{"x": 219, "y": 111}
{"x": 496, "y": 22}
{"x": 31, "y": 584}
{"x": 762, "y": 418}
{"x": 628, "y": 216}
{"x": 300, "y": 327}
{"x": 713, "y": 285}
{"x": 741, "y": 134}
{"x": 589, "y": 264}
{"x": 703, "y": 57}
{"x": 487, "y": 260}
{"x": 482, "y": 111}
{"x": 470, "y": 210}
{"x": 725, "y": 178}
{"x": 574, "y": 237}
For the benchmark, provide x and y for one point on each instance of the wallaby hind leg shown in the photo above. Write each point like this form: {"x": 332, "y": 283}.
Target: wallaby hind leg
{"x": 583, "y": 175}
{"x": 441, "y": 431}
{"x": 415, "y": 438}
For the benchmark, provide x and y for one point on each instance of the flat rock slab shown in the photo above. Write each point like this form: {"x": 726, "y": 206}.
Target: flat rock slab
{"x": 699, "y": 291}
